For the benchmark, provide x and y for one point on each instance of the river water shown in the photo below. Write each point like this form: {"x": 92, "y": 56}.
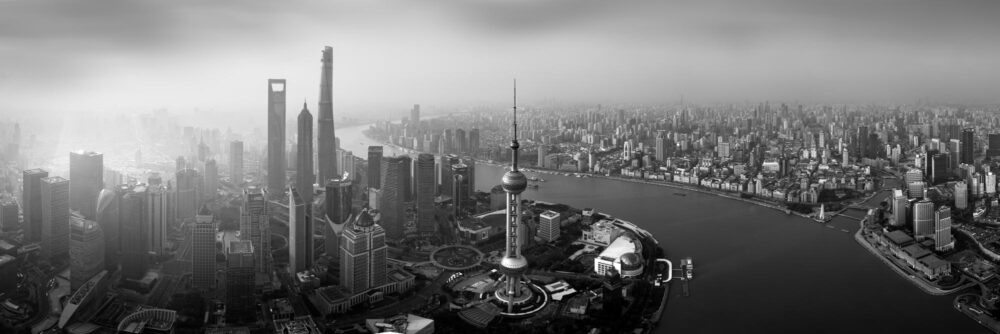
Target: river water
{"x": 756, "y": 269}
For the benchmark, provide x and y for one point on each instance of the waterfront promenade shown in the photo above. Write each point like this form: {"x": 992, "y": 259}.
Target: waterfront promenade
{"x": 909, "y": 276}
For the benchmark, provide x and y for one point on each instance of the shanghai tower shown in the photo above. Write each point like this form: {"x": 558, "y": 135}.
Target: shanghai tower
{"x": 326, "y": 137}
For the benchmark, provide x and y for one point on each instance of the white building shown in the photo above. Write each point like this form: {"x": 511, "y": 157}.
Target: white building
{"x": 623, "y": 256}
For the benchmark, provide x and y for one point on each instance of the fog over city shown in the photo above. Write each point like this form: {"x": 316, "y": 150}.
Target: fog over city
{"x": 129, "y": 56}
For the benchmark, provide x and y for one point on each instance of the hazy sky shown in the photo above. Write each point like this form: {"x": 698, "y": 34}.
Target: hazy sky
{"x": 103, "y": 55}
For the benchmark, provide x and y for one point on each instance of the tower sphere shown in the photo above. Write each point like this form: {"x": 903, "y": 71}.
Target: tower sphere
{"x": 514, "y": 182}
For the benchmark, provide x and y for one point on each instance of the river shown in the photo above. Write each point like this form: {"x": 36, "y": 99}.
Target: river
{"x": 756, "y": 269}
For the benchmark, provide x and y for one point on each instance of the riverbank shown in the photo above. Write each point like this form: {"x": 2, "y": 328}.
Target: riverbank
{"x": 670, "y": 184}
{"x": 922, "y": 284}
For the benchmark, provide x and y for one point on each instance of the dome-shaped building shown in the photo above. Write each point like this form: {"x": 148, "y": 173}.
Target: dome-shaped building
{"x": 622, "y": 255}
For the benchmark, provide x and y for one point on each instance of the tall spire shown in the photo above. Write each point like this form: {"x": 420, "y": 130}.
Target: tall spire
{"x": 513, "y": 143}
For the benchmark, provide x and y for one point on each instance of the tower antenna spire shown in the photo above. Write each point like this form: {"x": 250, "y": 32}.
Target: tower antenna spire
{"x": 513, "y": 143}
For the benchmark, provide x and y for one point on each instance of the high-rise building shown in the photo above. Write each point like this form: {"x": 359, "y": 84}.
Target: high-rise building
{"x": 543, "y": 151}
{"x": 459, "y": 191}
{"x": 134, "y": 231}
{"x": 86, "y": 250}
{"x": 203, "y": 250}
{"x": 181, "y": 164}
{"x": 8, "y": 213}
{"x": 923, "y": 219}
{"x": 661, "y": 146}
{"x": 240, "y": 263}
{"x": 276, "y": 164}
{"x": 461, "y": 142}
{"x": 362, "y": 254}
{"x": 424, "y": 175}
{"x": 470, "y": 164}
{"x": 188, "y": 198}
{"x": 994, "y": 145}
{"x": 473, "y": 150}
{"x": 236, "y": 162}
{"x": 255, "y": 227}
{"x": 211, "y": 182}
{"x": 338, "y": 211}
{"x": 338, "y": 198}
{"x": 107, "y": 216}
{"x": 391, "y": 201}
{"x": 31, "y": 203}
{"x": 86, "y": 170}
{"x": 407, "y": 174}
{"x": 327, "y": 142}
{"x": 943, "y": 240}
{"x": 304, "y": 178}
{"x": 55, "y": 217}
{"x": 961, "y": 195}
{"x": 968, "y": 144}
{"x": 300, "y": 234}
{"x": 415, "y": 114}
{"x": 446, "y": 178}
{"x": 898, "y": 208}
{"x": 160, "y": 213}
{"x": 346, "y": 163}
{"x": 375, "y": 167}
{"x": 548, "y": 225}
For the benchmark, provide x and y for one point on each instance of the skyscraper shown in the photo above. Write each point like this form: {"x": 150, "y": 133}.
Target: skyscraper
{"x": 391, "y": 201}
{"x": 86, "y": 170}
{"x": 31, "y": 203}
{"x": 86, "y": 250}
{"x": 203, "y": 250}
{"x": 474, "y": 143}
{"x": 300, "y": 232}
{"x": 55, "y": 217}
{"x": 415, "y": 114}
{"x": 993, "y": 148}
{"x": 513, "y": 288}
{"x": 375, "y": 167}
{"x": 923, "y": 219}
{"x": 338, "y": 198}
{"x": 160, "y": 213}
{"x": 407, "y": 174}
{"x": 276, "y": 164}
{"x": 326, "y": 137}
{"x": 661, "y": 146}
{"x": 424, "y": 175}
{"x": 304, "y": 178}
{"x": 134, "y": 231}
{"x": 211, "y": 182}
{"x": 459, "y": 191}
{"x": 338, "y": 211}
{"x": 899, "y": 201}
{"x": 961, "y": 195}
{"x": 968, "y": 144}
{"x": 255, "y": 227}
{"x": 188, "y": 199}
{"x": 240, "y": 261}
{"x": 107, "y": 216}
{"x": 8, "y": 213}
{"x": 236, "y": 162}
{"x": 470, "y": 163}
{"x": 362, "y": 254}
{"x": 943, "y": 240}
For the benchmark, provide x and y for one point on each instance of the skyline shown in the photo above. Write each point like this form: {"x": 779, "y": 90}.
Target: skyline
{"x": 113, "y": 56}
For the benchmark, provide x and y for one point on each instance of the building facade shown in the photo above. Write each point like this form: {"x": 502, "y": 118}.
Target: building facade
{"x": 55, "y": 217}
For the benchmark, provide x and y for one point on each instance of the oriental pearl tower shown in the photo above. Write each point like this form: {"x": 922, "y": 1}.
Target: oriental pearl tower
{"x": 513, "y": 289}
